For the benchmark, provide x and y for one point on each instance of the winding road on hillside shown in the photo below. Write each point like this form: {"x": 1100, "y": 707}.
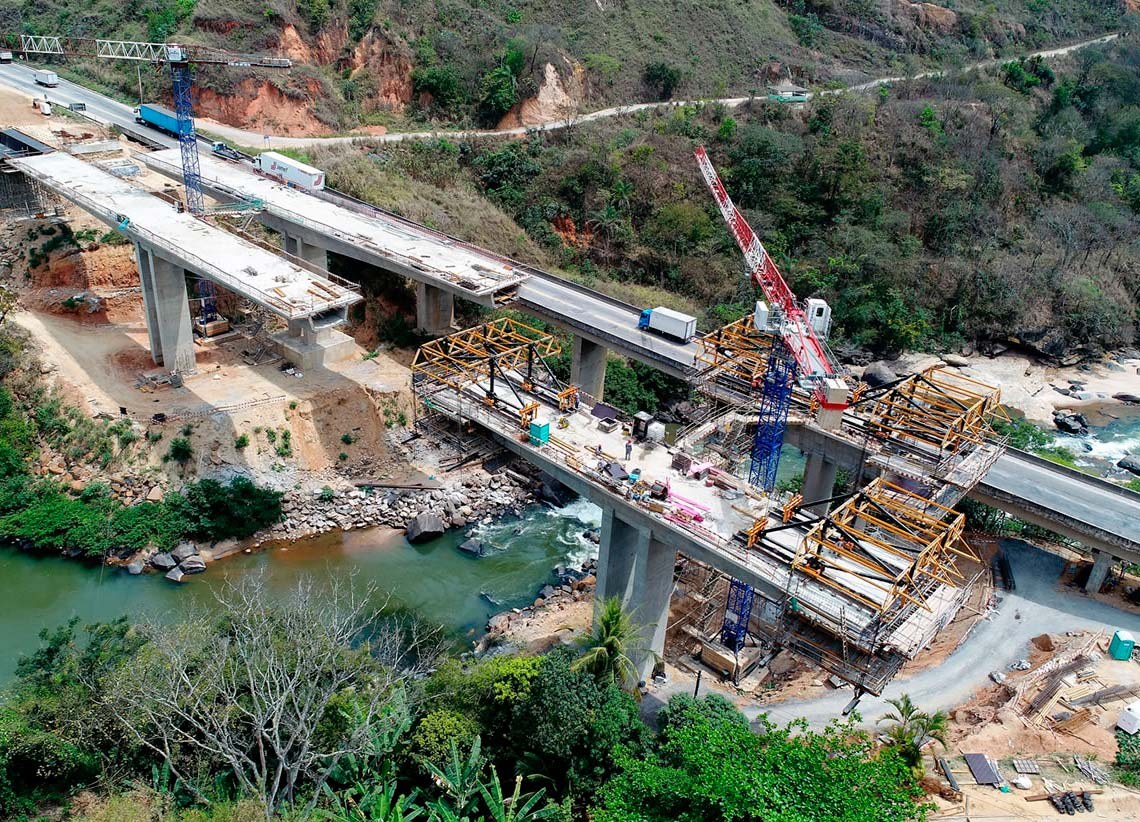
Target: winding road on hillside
{"x": 255, "y": 139}
{"x": 108, "y": 111}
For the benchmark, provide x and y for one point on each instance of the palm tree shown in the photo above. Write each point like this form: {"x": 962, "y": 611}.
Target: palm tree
{"x": 518, "y": 807}
{"x": 610, "y": 645}
{"x": 911, "y": 728}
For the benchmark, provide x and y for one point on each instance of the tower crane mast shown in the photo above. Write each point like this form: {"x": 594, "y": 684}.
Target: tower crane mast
{"x": 179, "y": 59}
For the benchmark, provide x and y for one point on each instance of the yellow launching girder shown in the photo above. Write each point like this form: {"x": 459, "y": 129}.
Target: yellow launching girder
{"x": 894, "y": 541}
{"x": 738, "y": 350}
{"x": 463, "y": 358}
{"x": 938, "y": 409}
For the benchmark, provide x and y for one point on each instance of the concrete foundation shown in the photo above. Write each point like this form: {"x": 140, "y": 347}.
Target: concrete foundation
{"x": 588, "y": 367}
{"x": 308, "y": 346}
{"x": 1102, "y": 563}
{"x": 819, "y": 481}
{"x": 435, "y": 310}
{"x": 638, "y": 570}
{"x": 307, "y": 251}
{"x": 167, "y": 310}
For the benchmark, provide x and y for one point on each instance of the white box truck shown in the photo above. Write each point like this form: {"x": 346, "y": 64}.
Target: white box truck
{"x": 291, "y": 172}
{"x": 46, "y": 78}
{"x": 668, "y": 323}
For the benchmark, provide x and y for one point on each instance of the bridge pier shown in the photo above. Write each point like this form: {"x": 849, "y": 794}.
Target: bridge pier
{"x": 588, "y": 367}
{"x": 819, "y": 481}
{"x": 167, "y": 308}
{"x": 638, "y": 570}
{"x": 1102, "y": 562}
{"x": 435, "y": 310}
{"x": 312, "y": 342}
{"x": 308, "y": 251}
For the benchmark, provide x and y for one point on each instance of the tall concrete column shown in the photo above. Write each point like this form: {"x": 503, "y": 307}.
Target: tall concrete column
{"x": 819, "y": 481}
{"x": 588, "y": 367}
{"x": 435, "y": 310}
{"x": 146, "y": 278}
{"x": 638, "y": 570}
{"x": 1102, "y": 562}
{"x": 172, "y": 312}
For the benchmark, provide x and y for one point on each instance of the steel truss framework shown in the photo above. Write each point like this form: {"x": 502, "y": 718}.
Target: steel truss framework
{"x": 939, "y": 412}
{"x": 142, "y": 51}
{"x": 733, "y": 359}
{"x": 885, "y": 547}
{"x": 503, "y": 351}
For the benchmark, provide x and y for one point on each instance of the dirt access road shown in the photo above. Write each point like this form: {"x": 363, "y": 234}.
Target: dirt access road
{"x": 1038, "y": 606}
{"x": 255, "y": 139}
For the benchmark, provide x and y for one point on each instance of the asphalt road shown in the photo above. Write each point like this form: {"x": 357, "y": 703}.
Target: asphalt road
{"x": 1078, "y": 497}
{"x": 99, "y": 108}
{"x": 1038, "y": 606}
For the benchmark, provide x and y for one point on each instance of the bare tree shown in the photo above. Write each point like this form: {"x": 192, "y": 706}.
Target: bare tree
{"x": 279, "y": 693}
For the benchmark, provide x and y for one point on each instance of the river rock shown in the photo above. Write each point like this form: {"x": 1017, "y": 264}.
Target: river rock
{"x": 425, "y": 527}
{"x": 163, "y": 561}
{"x": 1130, "y": 462}
{"x": 154, "y": 494}
{"x": 956, "y": 360}
{"x": 175, "y": 575}
{"x": 1131, "y": 399}
{"x": 499, "y": 623}
{"x": 184, "y": 550}
{"x": 878, "y": 373}
{"x": 193, "y": 565}
{"x": 473, "y": 547}
{"x": 135, "y": 568}
{"x": 1069, "y": 423}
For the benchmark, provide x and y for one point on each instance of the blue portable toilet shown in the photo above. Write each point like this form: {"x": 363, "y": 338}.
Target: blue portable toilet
{"x": 1121, "y": 645}
{"x": 539, "y": 433}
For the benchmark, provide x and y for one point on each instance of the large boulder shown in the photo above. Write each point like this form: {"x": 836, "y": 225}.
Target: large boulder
{"x": 424, "y": 528}
{"x": 184, "y": 550}
{"x": 473, "y": 547}
{"x": 163, "y": 561}
{"x": 1130, "y": 462}
{"x": 1070, "y": 423}
{"x": 135, "y": 568}
{"x": 1131, "y": 399}
{"x": 175, "y": 575}
{"x": 193, "y": 565}
{"x": 878, "y": 373}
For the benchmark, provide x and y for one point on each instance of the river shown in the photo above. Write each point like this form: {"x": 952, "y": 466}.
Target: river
{"x": 440, "y": 583}
{"x": 1113, "y": 432}
{"x": 436, "y": 580}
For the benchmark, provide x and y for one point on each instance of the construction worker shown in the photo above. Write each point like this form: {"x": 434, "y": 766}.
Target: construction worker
{"x": 628, "y": 448}
{"x": 598, "y": 450}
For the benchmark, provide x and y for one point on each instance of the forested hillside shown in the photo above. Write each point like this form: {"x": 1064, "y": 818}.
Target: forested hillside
{"x": 398, "y": 62}
{"x": 965, "y": 212}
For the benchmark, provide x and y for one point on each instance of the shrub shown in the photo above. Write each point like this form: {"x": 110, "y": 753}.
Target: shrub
{"x": 180, "y": 450}
{"x": 347, "y": 438}
{"x": 241, "y": 441}
{"x": 661, "y": 78}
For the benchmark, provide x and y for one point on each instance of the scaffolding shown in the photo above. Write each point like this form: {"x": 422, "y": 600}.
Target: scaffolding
{"x": 772, "y": 420}
{"x": 737, "y": 615}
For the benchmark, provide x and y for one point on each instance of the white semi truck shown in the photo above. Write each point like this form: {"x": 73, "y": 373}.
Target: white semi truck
{"x": 46, "y": 78}
{"x": 668, "y": 323}
{"x": 289, "y": 171}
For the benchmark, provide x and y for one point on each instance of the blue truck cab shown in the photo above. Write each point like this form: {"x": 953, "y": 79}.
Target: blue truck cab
{"x": 643, "y": 320}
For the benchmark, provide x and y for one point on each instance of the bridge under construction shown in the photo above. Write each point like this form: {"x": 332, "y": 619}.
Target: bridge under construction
{"x": 857, "y": 582}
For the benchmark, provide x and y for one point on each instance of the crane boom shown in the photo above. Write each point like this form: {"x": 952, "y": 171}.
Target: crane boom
{"x": 812, "y": 357}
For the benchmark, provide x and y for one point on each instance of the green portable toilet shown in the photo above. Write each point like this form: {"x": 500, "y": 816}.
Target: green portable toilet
{"x": 539, "y": 433}
{"x": 1121, "y": 645}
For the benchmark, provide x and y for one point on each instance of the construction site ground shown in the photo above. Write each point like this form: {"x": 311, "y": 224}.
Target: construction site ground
{"x": 83, "y": 307}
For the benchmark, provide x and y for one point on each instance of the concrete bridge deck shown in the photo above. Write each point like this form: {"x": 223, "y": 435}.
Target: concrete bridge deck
{"x": 380, "y": 238}
{"x": 271, "y": 281}
{"x": 417, "y": 252}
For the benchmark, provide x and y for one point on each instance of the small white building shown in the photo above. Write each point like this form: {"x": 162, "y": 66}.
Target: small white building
{"x": 1129, "y": 720}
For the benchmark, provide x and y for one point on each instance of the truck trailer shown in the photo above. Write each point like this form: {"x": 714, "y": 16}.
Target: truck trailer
{"x": 157, "y": 117}
{"x": 668, "y": 323}
{"x": 291, "y": 172}
{"x": 46, "y": 78}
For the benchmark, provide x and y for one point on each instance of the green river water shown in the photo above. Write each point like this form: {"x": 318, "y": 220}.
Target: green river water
{"x": 442, "y": 584}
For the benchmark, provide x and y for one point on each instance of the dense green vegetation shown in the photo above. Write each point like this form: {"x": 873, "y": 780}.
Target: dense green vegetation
{"x": 39, "y": 511}
{"x": 938, "y": 213}
{"x": 375, "y": 724}
{"x": 470, "y": 61}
